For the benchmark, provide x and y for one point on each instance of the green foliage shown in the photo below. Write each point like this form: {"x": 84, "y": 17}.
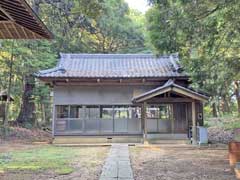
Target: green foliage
{"x": 96, "y": 26}
{"x": 226, "y": 122}
{"x": 206, "y": 35}
{"x": 99, "y": 26}
{"x": 29, "y": 58}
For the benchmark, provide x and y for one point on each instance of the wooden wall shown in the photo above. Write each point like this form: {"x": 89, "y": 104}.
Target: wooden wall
{"x": 199, "y": 110}
{"x": 97, "y": 95}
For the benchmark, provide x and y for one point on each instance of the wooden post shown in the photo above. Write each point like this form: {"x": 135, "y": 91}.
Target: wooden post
{"x": 144, "y": 115}
{"x": 53, "y": 120}
{"x": 172, "y": 117}
{"x": 194, "y": 127}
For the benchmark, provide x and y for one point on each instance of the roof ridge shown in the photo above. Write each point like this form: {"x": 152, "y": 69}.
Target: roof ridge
{"x": 128, "y": 55}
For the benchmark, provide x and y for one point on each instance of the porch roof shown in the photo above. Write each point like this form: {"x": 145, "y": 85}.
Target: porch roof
{"x": 18, "y": 21}
{"x": 170, "y": 86}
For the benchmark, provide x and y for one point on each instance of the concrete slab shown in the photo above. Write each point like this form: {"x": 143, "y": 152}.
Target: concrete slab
{"x": 117, "y": 165}
{"x": 125, "y": 172}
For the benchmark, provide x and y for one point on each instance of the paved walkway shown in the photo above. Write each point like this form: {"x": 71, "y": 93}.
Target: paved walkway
{"x": 117, "y": 165}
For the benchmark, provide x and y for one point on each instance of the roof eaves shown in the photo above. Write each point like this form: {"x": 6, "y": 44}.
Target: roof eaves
{"x": 42, "y": 25}
{"x": 192, "y": 91}
{"x": 34, "y": 29}
{"x": 170, "y": 85}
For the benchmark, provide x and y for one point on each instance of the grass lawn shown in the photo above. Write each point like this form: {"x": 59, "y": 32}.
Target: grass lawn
{"x": 54, "y": 161}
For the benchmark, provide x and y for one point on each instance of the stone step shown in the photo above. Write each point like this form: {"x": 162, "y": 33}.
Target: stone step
{"x": 96, "y": 139}
{"x": 158, "y": 141}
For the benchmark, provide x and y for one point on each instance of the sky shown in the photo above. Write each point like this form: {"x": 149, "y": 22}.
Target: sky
{"x": 141, "y": 5}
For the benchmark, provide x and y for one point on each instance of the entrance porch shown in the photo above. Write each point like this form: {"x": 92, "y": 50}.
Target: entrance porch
{"x": 181, "y": 113}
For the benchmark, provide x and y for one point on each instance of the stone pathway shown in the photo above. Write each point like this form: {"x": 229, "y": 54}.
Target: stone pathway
{"x": 117, "y": 165}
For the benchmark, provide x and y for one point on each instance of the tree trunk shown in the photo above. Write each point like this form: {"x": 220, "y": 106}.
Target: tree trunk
{"x": 214, "y": 110}
{"x": 43, "y": 114}
{"x": 225, "y": 105}
{"x": 27, "y": 114}
{"x": 237, "y": 94}
{"x": 5, "y": 118}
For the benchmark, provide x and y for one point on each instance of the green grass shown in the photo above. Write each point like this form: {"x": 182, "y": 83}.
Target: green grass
{"x": 232, "y": 125}
{"x": 53, "y": 158}
{"x": 226, "y": 122}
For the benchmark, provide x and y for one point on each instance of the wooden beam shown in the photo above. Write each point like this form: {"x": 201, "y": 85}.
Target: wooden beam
{"x": 6, "y": 14}
{"x": 162, "y": 91}
{"x": 11, "y": 3}
{"x": 53, "y": 120}
{"x": 20, "y": 12}
{"x": 33, "y": 34}
{"x": 186, "y": 93}
{"x": 144, "y": 120}
{"x": 10, "y": 34}
{"x": 194, "y": 124}
{"x": 159, "y": 81}
{"x": 169, "y": 100}
{"x": 27, "y": 32}
{"x": 3, "y": 17}
{"x": 172, "y": 118}
{"x": 1, "y": 34}
{"x": 24, "y": 32}
{"x": 14, "y": 27}
{"x": 83, "y": 83}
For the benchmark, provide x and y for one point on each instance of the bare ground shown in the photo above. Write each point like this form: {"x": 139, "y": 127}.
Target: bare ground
{"x": 180, "y": 163}
{"x": 15, "y": 146}
{"x": 88, "y": 165}
{"x": 24, "y": 135}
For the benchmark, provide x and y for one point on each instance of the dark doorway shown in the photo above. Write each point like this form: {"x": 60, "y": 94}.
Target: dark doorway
{"x": 180, "y": 117}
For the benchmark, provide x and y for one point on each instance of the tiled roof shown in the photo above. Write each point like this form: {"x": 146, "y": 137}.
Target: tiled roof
{"x": 115, "y": 66}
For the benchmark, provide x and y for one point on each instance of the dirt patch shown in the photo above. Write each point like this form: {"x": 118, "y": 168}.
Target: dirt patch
{"x": 180, "y": 163}
{"x": 24, "y": 135}
{"x": 89, "y": 165}
{"x": 13, "y": 146}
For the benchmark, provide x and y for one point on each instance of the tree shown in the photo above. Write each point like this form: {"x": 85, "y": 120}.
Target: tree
{"x": 100, "y": 26}
{"x": 96, "y": 26}
{"x": 206, "y": 35}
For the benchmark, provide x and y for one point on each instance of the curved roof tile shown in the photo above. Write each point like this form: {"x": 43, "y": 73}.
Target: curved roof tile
{"x": 115, "y": 66}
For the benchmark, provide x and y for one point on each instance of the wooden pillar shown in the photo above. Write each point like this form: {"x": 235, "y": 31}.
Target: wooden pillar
{"x": 144, "y": 115}
{"x": 53, "y": 120}
{"x": 172, "y": 118}
{"x": 194, "y": 126}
